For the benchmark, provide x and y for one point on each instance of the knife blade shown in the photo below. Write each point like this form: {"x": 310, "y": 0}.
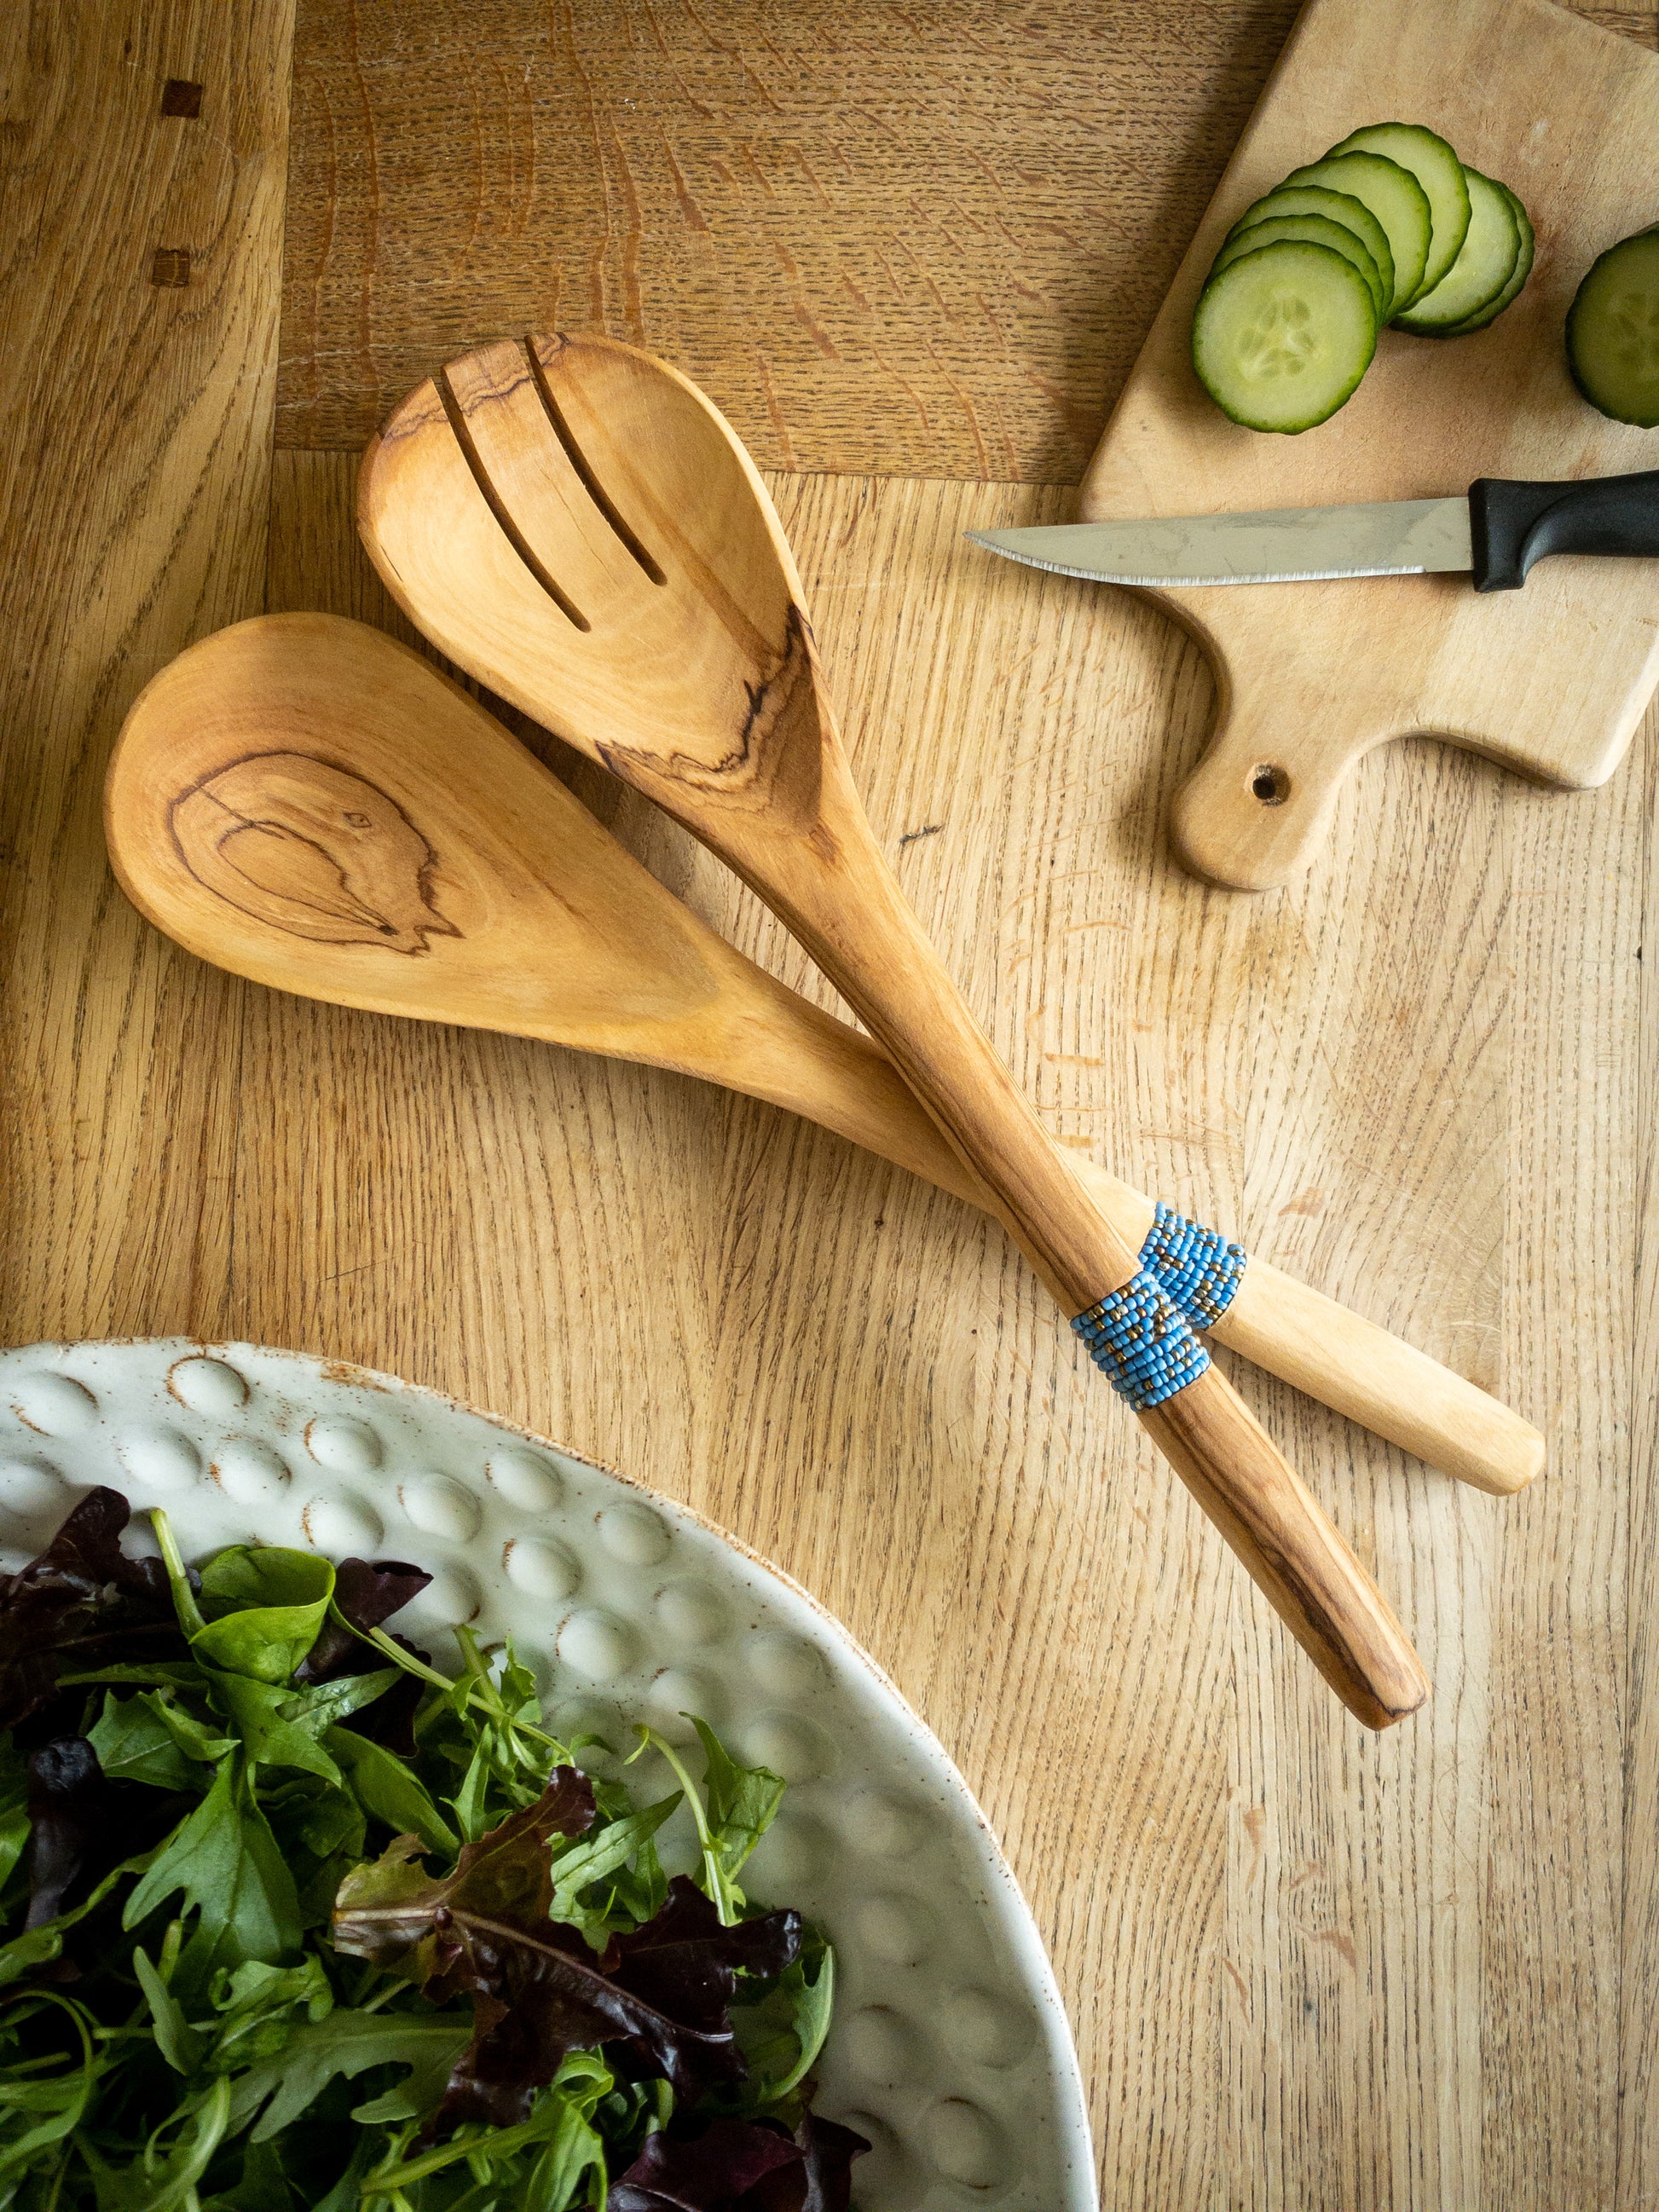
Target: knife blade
{"x": 1496, "y": 532}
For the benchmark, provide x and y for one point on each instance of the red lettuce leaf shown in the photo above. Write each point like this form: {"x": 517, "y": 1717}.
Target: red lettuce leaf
{"x": 684, "y": 1962}
{"x": 829, "y": 2150}
{"x": 742, "y": 2166}
{"x": 365, "y": 1595}
{"x": 83, "y": 1603}
{"x": 734, "y": 2166}
{"x": 82, "y": 1823}
{"x": 538, "y": 1990}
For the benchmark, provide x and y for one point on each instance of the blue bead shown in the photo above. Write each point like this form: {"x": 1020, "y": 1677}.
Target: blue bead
{"x": 1141, "y": 1343}
{"x": 1199, "y": 1269}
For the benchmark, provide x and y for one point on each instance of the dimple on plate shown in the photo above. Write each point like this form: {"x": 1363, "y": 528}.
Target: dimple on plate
{"x": 950, "y": 2051}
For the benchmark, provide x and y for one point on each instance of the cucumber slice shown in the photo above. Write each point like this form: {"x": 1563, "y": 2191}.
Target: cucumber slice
{"x": 1340, "y": 207}
{"x": 1480, "y": 272}
{"x": 1282, "y": 335}
{"x": 1316, "y": 230}
{"x": 1613, "y": 332}
{"x": 1518, "y": 276}
{"x": 1437, "y": 169}
{"x": 1394, "y": 197}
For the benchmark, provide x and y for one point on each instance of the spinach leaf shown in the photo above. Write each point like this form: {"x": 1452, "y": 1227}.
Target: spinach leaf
{"x": 259, "y": 1712}
{"x": 151, "y": 1738}
{"x": 386, "y": 1789}
{"x": 264, "y": 1610}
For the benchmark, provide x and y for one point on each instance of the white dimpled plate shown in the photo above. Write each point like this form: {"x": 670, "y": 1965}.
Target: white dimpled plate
{"x": 950, "y": 2051}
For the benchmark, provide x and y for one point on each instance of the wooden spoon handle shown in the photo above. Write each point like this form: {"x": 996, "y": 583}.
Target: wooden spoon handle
{"x": 839, "y": 898}
{"x": 794, "y": 1054}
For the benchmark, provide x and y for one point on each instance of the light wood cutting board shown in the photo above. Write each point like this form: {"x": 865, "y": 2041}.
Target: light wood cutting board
{"x": 1551, "y": 680}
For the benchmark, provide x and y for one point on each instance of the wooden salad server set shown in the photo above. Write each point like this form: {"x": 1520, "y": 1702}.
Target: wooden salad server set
{"x": 574, "y": 525}
{"x": 283, "y": 802}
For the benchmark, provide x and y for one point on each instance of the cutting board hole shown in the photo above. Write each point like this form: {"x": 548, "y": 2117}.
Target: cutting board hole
{"x": 1269, "y": 784}
{"x": 182, "y": 95}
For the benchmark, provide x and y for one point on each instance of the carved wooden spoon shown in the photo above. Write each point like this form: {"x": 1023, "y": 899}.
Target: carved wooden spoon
{"x": 574, "y": 523}
{"x": 283, "y": 801}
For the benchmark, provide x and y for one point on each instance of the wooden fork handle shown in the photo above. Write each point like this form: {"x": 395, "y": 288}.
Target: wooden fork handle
{"x": 838, "y": 897}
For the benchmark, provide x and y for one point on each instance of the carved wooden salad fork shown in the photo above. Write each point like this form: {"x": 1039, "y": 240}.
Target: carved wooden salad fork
{"x": 576, "y": 524}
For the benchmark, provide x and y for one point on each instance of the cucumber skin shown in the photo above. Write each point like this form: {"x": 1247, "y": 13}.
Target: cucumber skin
{"x": 1291, "y": 430}
{"x": 1637, "y": 422}
{"x": 1374, "y": 281}
{"x": 1512, "y": 291}
{"x": 1348, "y": 145}
{"x": 1439, "y": 329}
{"x": 1309, "y": 174}
{"x": 1371, "y": 243}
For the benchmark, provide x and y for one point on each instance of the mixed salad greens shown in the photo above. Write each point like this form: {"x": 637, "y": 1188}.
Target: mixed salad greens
{"x": 289, "y": 1918}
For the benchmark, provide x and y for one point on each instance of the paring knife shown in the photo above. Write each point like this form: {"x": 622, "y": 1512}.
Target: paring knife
{"x": 1496, "y": 533}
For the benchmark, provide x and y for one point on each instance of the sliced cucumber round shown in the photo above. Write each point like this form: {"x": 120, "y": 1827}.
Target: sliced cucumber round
{"x": 1437, "y": 169}
{"x": 1518, "y": 275}
{"x": 1282, "y": 335}
{"x": 1340, "y": 207}
{"x": 1481, "y": 270}
{"x": 1613, "y": 332}
{"x": 1394, "y": 197}
{"x": 1316, "y": 230}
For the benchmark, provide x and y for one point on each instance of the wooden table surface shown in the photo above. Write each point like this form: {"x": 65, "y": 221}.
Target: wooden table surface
{"x": 912, "y": 251}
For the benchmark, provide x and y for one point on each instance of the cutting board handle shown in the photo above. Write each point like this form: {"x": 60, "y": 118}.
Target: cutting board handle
{"x": 1255, "y": 809}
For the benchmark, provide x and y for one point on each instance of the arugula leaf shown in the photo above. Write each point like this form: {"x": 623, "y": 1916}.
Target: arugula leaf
{"x": 598, "y": 1856}
{"x": 61, "y": 2100}
{"x": 385, "y": 1787}
{"x": 225, "y": 1859}
{"x": 151, "y": 2183}
{"x": 741, "y": 1804}
{"x": 783, "y": 2033}
{"x": 560, "y": 2117}
{"x": 13, "y": 1808}
{"x": 742, "y": 1801}
{"x": 260, "y": 2008}
{"x": 175, "y": 2038}
{"x": 35, "y": 1947}
{"x": 278, "y": 2089}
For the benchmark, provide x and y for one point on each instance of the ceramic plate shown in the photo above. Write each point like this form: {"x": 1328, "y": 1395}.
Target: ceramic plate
{"x": 951, "y": 2050}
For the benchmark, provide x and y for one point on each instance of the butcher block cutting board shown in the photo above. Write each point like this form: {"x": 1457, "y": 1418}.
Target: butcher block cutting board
{"x": 1551, "y": 680}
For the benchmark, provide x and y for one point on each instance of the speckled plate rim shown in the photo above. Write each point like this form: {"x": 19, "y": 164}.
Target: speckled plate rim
{"x": 1003, "y": 1900}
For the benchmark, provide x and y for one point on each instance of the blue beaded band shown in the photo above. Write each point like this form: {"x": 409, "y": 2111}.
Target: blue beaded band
{"x": 1198, "y": 1268}
{"x": 1140, "y": 1343}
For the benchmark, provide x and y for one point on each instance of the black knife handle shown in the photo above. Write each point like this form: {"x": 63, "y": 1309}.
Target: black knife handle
{"x": 1513, "y": 525}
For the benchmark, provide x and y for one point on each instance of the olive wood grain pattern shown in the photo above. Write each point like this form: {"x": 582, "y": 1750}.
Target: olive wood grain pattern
{"x": 576, "y": 524}
{"x": 1550, "y": 681}
{"x": 283, "y": 801}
